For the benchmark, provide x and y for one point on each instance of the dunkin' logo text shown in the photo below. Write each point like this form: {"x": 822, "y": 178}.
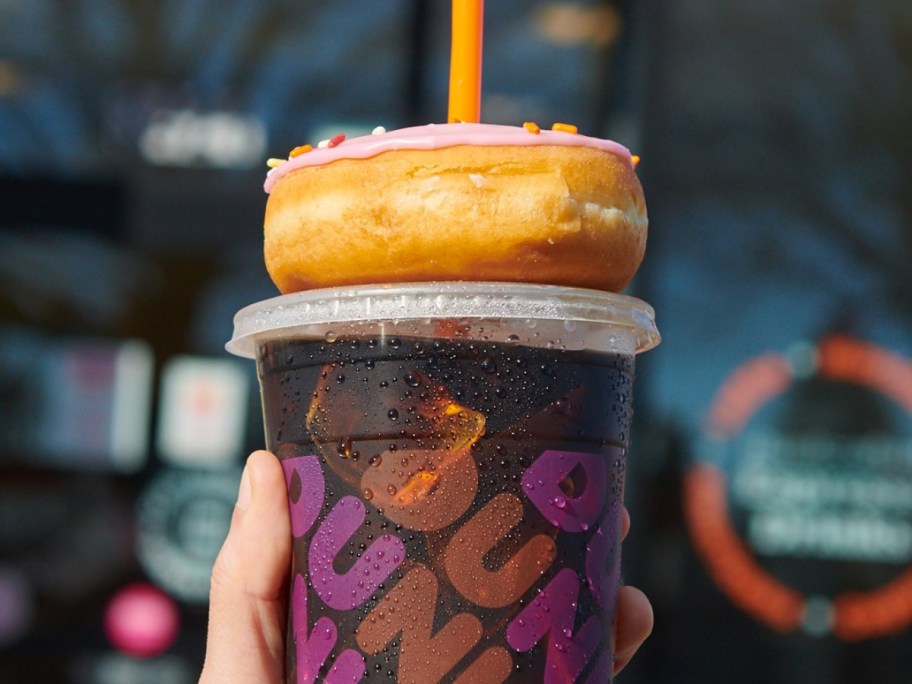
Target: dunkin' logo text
{"x": 548, "y": 620}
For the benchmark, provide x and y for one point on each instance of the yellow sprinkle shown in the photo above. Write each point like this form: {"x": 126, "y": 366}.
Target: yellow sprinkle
{"x": 273, "y": 162}
{"x": 564, "y": 127}
{"x": 635, "y": 158}
{"x": 532, "y": 127}
{"x": 299, "y": 150}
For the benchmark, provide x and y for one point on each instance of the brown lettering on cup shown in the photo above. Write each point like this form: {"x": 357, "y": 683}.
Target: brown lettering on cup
{"x": 464, "y": 556}
{"x": 408, "y": 609}
{"x": 430, "y": 491}
{"x": 492, "y": 666}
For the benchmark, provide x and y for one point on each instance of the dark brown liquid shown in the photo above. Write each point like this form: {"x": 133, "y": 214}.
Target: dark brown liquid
{"x": 437, "y": 440}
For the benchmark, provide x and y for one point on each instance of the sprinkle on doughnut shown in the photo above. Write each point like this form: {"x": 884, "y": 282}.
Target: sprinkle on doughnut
{"x": 635, "y": 158}
{"x": 564, "y": 128}
{"x": 532, "y": 127}
{"x": 273, "y": 163}
{"x": 299, "y": 150}
{"x": 379, "y": 130}
{"x": 335, "y": 140}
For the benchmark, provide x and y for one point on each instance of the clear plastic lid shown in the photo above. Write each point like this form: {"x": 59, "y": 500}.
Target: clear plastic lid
{"x": 539, "y": 315}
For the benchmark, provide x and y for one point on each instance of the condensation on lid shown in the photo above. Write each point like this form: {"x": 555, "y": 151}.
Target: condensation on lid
{"x": 310, "y": 311}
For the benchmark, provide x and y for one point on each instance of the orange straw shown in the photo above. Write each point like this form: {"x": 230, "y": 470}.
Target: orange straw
{"x": 465, "y": 61}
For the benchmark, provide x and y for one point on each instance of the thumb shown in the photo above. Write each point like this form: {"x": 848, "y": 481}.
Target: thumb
{"x": 247, "y": 596}
{"x": 633, "y": 625}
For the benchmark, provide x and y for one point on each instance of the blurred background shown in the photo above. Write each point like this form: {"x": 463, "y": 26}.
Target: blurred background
{"x": 770, "y": 479}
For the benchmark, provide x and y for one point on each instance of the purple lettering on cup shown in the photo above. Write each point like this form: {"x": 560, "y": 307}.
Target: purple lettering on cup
{"x": 552, "y": 613}
{"x": 602, "y": 672}
{"x": 348, "y": 668}
{"x": 550, "y": 485}
{"x": 603, "y": 568}
{"x": 351, "y": 589}
{"x": 312, "y": 650}
{"x": 306, "y": 508}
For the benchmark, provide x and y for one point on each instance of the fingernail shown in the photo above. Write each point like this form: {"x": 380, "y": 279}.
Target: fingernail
{"x": 244, "y": 490}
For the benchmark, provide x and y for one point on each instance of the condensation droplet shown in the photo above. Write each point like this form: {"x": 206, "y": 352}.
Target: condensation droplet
{"x": 345, "y": 447}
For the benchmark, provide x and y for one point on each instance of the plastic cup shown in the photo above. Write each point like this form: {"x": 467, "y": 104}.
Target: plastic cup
{"x": 455, "y": 457}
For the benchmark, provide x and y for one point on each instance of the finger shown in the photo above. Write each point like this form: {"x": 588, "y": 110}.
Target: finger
{"x": 625, "y": 522}
{"x": 633, "y": 626}
{"x": 246, "y": 641}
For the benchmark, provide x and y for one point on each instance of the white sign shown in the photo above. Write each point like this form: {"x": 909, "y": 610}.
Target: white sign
{"x": 203, "y": 411}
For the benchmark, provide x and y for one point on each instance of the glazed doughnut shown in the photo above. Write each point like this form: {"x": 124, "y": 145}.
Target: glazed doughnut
{"x": 456, "y": 202}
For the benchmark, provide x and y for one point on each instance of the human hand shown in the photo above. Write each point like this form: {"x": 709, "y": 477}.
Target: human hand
{"x": 248, "y": 603}
{"x": 634, "y": 616}
{"x": 248, "y": 592}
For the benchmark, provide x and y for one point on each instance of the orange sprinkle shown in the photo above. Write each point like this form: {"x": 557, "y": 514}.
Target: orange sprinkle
{"x": 635, "y": 158}
{"x": 532, "y": 127}
{"x": 564, "y": 127}
{"x": 299, "y": 150}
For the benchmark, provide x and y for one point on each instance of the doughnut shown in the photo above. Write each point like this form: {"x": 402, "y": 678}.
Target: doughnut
{"x": 461, "y": 201}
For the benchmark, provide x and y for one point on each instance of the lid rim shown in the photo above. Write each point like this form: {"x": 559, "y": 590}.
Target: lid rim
{"x": 453, "y": 299}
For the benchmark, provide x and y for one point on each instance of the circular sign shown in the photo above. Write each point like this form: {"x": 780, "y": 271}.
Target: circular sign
{"x": 183, "y": 519}
{"x": 850, "y": 615}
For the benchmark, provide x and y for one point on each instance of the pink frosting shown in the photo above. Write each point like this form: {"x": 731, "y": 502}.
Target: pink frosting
{"x": 436, "y": 136}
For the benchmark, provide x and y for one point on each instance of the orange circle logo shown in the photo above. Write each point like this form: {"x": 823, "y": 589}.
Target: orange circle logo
{"x": 850, "y": 615}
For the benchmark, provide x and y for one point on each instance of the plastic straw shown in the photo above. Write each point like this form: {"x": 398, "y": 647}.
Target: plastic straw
{"x": 465, "y": 61}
